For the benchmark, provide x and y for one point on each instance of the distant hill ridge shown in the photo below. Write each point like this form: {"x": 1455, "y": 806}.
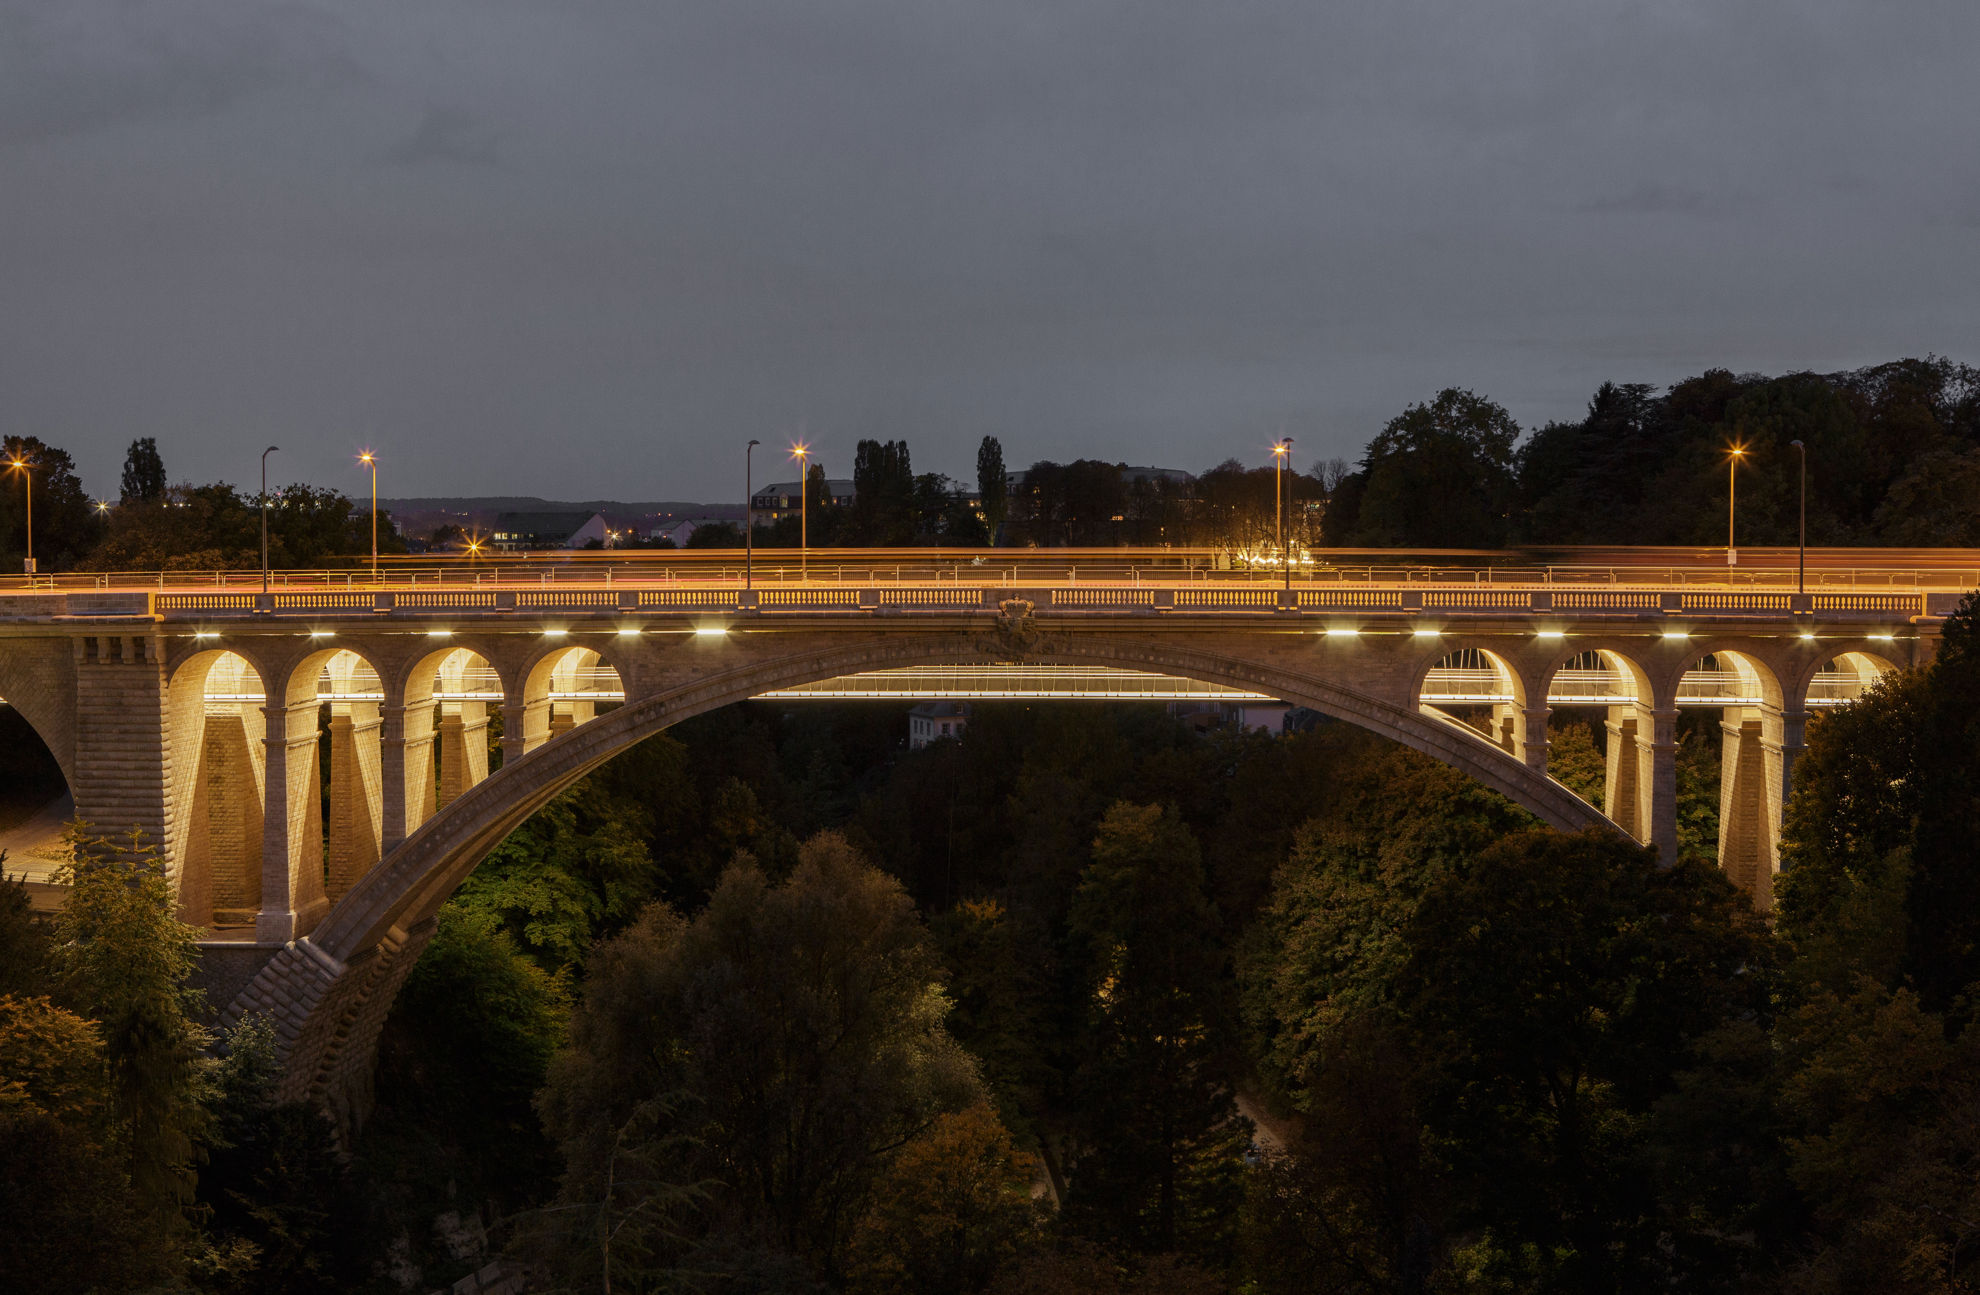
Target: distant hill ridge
{"x": 532, "y": 504}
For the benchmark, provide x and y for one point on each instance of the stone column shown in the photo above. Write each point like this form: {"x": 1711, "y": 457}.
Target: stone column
{"x": 1656, "y": 748}
{"x": 132, "y": 767}
{"x": 406, "y": 770}
{"x": 463, "y": 743}
{"x": 1622, "y": 773}
{"x": 292, "y": 896}
{"x": 1743, "y": 801}
{"x": 525, "y": 726}
{"x": 356, "y": 795}
{"x": 1530, "y": 736}
{"x": 224, "y": 844}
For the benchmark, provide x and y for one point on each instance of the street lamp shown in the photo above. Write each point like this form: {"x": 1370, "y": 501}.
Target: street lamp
{"x": 1801, "y": 552}
{"x": 21, "y": 465}
{"x": 1280, "y": 454}
{"x": 1733, "y": 455}
{"x": 264, "y": 515}
{"x": 370, "y": 460}
{"x": 749, "y": 516}
{"x": 802, "y": 453}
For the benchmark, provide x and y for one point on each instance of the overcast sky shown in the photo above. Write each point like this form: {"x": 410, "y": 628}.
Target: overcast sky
{"x": 584, "y": 249}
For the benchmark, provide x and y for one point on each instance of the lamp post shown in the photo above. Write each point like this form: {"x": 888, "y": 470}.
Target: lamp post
{"x": 1732, "y": 494}
{"x": 1801, "y": 547}
{"x": 21, "y": 465}
{"x": 749, "y": 516}
{"x": 370, "y": 460}
{"x": 1282, "y": 452}
{"x": 802, "y": 453}
{"x": 264, "y": 515}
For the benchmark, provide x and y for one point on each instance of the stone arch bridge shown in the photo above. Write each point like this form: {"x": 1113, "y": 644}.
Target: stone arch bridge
{"x": 207, "y": 718}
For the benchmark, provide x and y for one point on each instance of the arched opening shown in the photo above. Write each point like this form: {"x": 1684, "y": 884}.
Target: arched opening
{"x": 350, "y": 697}
{"x": 455, "y": 689}
{"x": 220, "y": 697}
{"x": 36, "y": 805}
{"x": 1480, "y": 690}
{"x": 469, "y": 819}
{"x": 567, "y": 688}
{"x": 1845, "y": 678}
{"x": 1752, "y": 762}
{"x": 1603, "y": 735}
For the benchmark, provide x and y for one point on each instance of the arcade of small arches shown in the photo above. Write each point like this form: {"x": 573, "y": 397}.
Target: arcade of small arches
{"x": 1763, "y": 713}
{"x": 381, "y": 760}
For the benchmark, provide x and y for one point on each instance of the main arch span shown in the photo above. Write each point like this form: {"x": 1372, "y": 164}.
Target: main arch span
{"x": 212, "y": 720}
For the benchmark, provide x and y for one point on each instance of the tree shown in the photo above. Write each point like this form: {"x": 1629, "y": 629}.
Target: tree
{"x": 73, "y": 1227}
{"x": 274, "y": 1189}
{"x": 716, "y": 535}
{"x": 1440, "y": 475}
{"x": 144, "y": 473}
{"x": 1936, "y": 503}
{"x": 1157, "y": 1167}
{"x": 1877, "y": 840}
{"x": 1553, "y": 990}
{"x": 23, "y": 938}
{"x": 124, "y": 960}
{"x": 992, "y": 486}
{"x": 951, "y": 1210}
{"x": 883, "y": 508}
{"x": 796, "y": 1029}
{"x": 65, "y": 520}
{"x": 1884, "y": 1106}
{"x": 51, "y": 1061}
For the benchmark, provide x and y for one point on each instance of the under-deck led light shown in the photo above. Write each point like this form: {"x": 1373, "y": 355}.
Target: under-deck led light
{"x": 323, "y": 634}
{"x": 1882, "y": 638}
{"x": 206, "y": 634}
{"x": 711, "y": 631}
{"x": 1550, "y": 634}
{"x": 1807, "y": 638}
{"x": 1427, "y": 634}
{"x": 1341, "y": 632}
{"x": 1677, "y": 634}
{"x": 439, "y": 634}
{"x": 555, "y": 634}
{"x": 629, "y": 631}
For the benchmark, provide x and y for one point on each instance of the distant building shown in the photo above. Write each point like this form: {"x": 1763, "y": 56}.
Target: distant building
{"x": 515, "y": 531}
{"x": 1174, "y": 476}
{"x": 1271, "y": 717}
{"x": 681, "y": 532}
{"x": 932, "y": 721}
{"x": 784, "y": 498}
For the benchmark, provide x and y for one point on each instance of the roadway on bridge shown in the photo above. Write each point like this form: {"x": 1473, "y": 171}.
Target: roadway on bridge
{"x": 1771, "y": 569}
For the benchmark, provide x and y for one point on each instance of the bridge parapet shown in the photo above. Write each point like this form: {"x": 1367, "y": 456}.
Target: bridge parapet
{"x": 1460, "y": 601}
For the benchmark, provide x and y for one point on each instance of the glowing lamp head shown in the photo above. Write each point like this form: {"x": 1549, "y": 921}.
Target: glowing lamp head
{"x": 711, "y": 631}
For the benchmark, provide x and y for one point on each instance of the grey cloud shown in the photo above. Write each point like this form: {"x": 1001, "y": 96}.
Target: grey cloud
{"x": 641, "y": 233}
{"x": 446, "y": 136}
{"x": 80, "y": 65}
